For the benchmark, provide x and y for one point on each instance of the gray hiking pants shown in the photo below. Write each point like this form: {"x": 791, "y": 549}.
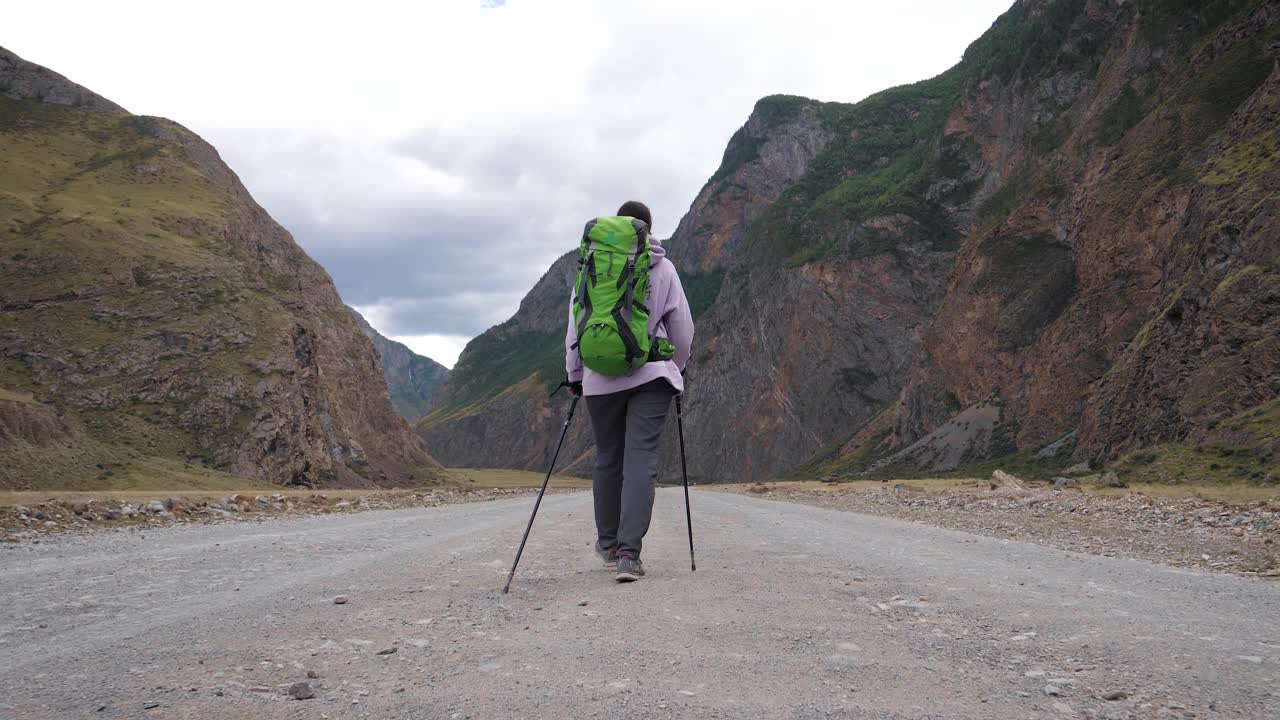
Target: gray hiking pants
{"x": 627, "y": 426}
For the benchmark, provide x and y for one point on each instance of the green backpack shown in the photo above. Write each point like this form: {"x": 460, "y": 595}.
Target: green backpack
{"x": 608, "y": 300}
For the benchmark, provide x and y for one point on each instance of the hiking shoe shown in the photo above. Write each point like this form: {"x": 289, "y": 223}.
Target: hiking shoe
{"x": 608, "y": 555}
{"x": 629, "y": 569}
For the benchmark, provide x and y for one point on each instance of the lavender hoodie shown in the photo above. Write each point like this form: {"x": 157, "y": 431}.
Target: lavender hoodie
{"x": 669, "y": 318}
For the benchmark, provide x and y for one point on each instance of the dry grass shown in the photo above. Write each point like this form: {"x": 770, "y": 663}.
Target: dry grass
{"x": 1229, "y": 493}
{"x": 472, "y": 478}
{"x": 32, "y": 497}
{"x": 16, "y": 396}
{"x": 218, "y": 485}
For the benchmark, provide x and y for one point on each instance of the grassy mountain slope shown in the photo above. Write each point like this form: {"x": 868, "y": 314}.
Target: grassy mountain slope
{"x": 156, "y": 320}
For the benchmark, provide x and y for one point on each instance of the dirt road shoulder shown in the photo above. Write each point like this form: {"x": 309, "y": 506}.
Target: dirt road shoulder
{"x": 1242, "y": 539}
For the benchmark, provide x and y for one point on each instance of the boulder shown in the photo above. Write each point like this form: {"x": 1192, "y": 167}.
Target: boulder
{"x": 1001, "y": 480}
{"x": 1112, "y": 480}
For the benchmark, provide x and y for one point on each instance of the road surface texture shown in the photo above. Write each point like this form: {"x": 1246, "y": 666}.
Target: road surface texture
{"x": 794, "y": 612}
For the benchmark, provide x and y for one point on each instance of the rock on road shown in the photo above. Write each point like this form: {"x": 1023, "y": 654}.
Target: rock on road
{"x": 794, "y": 612}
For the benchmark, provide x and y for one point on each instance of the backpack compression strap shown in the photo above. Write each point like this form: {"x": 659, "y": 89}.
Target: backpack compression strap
{"x": 587, "y": 273}
{"x": 623, "y": 311}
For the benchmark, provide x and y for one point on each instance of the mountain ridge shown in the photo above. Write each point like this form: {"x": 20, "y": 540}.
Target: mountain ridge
{"x": 964, "y": 242}
{"x": 158, "y": 321}
{"x": 22, "y": 80}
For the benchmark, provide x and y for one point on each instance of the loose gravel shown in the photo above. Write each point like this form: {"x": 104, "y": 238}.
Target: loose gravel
{"x": 794, "y": 611}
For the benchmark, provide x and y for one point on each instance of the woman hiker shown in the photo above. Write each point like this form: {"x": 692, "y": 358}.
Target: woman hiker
{"x": 626, "y": 399}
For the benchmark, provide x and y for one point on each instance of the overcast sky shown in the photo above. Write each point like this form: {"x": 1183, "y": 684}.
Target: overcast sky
{"x": 436, "y": 156}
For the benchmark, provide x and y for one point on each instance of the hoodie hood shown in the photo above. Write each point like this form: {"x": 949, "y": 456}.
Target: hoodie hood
{"x": 656, "y": 251}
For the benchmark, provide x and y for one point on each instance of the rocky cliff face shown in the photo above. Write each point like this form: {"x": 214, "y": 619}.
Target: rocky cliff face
{"x": 1098, "y": 290}
{"x": 1067, "y": 240}
{"x": 157, "y": 321}
{"x": 413, "y": 380}
{"x": 21, "y": 80}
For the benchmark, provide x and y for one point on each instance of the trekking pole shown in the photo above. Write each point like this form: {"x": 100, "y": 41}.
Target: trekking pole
{"x": 684, "y": 469}
{"x": 573, "y": 405}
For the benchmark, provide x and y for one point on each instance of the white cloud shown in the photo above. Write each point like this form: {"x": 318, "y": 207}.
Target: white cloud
{"x": 444, "y": 349}
{"x": 437, "y": 156}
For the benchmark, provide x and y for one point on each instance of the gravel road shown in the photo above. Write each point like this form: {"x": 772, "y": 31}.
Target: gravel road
{"x": 794, "y": 612}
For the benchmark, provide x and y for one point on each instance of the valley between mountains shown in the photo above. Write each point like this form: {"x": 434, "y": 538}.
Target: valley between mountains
{"x": 983, "y": 419}
{"x": 1059, "y": 253}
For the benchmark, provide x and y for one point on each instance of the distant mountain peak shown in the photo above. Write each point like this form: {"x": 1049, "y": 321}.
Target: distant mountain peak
{"x": 412, "y": 379}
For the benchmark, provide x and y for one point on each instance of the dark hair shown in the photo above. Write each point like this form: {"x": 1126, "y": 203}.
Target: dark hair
{"x": 637, "y": 210}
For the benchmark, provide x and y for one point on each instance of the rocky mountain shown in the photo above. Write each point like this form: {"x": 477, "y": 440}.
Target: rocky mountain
{"x": 496, "y": 409}
{"x": 1063, "y": 249}
{"x": 154, "y": 320}
{"x": 413, "y": 380}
